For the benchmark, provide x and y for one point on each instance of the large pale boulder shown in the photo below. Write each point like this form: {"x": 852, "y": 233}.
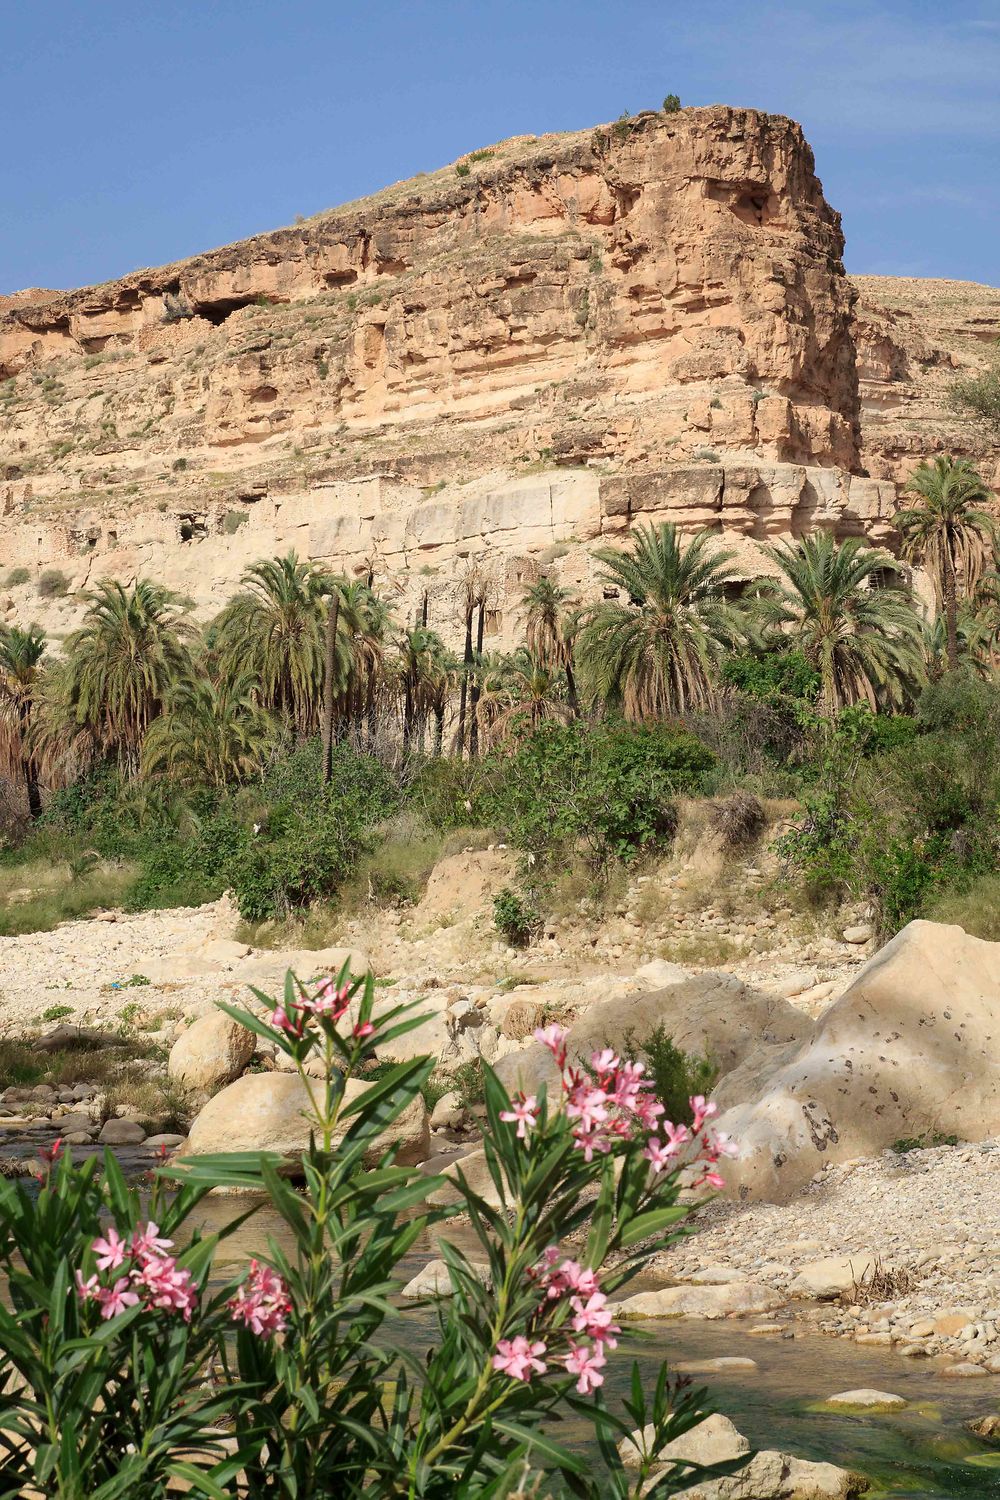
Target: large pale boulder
{"x": 768, "y": 1475}
{"x": 731, "y": 1299}
{"x": 832, "y": 1275}
{"x": 268, "y": 1112}
{"x": 211, "y": 1053}
{"x": 709, "y": 1015}
{"x": 909, "y": 1048}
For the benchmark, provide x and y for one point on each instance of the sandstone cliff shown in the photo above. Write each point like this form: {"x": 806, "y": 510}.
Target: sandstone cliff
{"x": 504, "y": 360}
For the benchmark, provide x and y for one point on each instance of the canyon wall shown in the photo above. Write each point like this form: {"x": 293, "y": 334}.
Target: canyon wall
{"x": 500, "y": 364}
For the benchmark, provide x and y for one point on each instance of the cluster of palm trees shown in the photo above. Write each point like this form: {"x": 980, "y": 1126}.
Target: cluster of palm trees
{"x": 299, "y": 650}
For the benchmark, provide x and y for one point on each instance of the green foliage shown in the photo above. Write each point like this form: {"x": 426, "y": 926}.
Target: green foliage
{"x": 56, "y": 1012}
{"x": 925, "y": 1142}
{"x": 17, "y": 576}
{"x": 677, "y": 1076}
{"x": 53, "y": 584}
{"x": 233, "y": 520}
{"x": 462, "y": 168}
{"x": 607, "y": 789}
{"x": 778, "y": 673}
{"x": 978, "y": 397}
{"x": 515, "y": 917}
{"x": 312, "y": 834}
{"x": 671, "y": 104}
{"x": 469, "y": 1082}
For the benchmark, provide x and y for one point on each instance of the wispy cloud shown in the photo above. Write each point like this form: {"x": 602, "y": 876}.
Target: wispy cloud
{"x": 901, "y": 71}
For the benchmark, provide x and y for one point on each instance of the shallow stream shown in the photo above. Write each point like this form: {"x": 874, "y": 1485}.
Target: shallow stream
{"x": 922, "y": 1453}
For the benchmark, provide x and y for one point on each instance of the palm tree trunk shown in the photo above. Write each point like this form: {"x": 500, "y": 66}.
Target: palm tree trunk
{"x": 477, "y": 686}
{"x": 467, "y": 662}
{"x": 438, "y": 727}
{"x": 951, "y": 609}
{"x": 574, "y": 702}
{"x": 329, "y": 683}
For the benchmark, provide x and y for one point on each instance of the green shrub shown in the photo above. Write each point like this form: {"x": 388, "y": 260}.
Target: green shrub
{"x": 53, "y": 584}
{"x": 671, "y": 104}
{"x": 17, "y": 576}
{"x": 233, "y": 520}
{"x": 514, "y": 917}
{"x": 469, "y": 1082}
{"x": 976, "y": 908}
{"x": 56, "y": 1012}
{"x": 676, "y": 1076}
{"x": 774, "y": 673}
{"x": 606, "y": 789}
{"x": 462, "y": 168}
{"x": 312, "y": 835}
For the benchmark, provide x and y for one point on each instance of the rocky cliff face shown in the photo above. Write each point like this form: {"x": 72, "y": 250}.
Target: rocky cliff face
{"x": 502, "y": 361}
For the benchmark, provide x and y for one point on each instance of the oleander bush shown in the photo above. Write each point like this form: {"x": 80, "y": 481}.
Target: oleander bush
{"x": 129, "y": 1367}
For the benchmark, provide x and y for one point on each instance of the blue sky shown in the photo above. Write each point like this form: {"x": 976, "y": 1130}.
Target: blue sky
{"x": 136, "y": 133}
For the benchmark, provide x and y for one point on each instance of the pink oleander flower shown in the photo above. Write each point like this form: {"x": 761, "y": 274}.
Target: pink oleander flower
{"x": 87, "y": 1291}
{"x": 281, "y": 1021}
{"x": 519, "y": 1358}
{"x": 723, "y": 1144}
{"x": 587, "y": 1364}
{"x": 553, "y": 1037}
{"x": 586, "y": 1103}
{"x": 569, "y": 1276}
{"x": 262, "y": 1303}
{"x": 51, "y": 1154}
{"x": 703, "y": 1110}
{"x": 367, "y": 1029}
{"x": 604, "y": 1063}
{"x": 166, "y": 1287}
{"x": 110, "y": 1251}
{"x": 524, "y": 1112}
{"x": 330, "y": 1000}
{"x": 594, "y": 1318}
{"x": 146, "y": 1241}
{"x": 115, "y": 1299}
{"x": 591, "y": 1141}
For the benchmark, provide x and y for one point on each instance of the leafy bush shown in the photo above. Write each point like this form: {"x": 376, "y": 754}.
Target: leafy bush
{"x": 785, "y": 674}
{"x": 514, "y": 917}
{"x": 676, "y": 1076}
{"x": 125, "y": 1362}
{"x": 233, "y": 520}
{"x": 56, "y": 1012}
{"x": 605, "y": 788}
{"x": 312, "y": 835}
{"x": 17, "y": 576}
{"x": 462, "y": 168}
{"x": 53, "y": 584}
{"x": 671, "y": 104}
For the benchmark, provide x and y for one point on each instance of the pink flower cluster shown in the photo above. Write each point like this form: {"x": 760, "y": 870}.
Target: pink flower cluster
{"x": 591, "y": 1319}
{"x": 329, "y": 1001}
{"x": 614, "y": 1100}
{"x": 150, "y": 1275}
{"x": 262, "y": 1302}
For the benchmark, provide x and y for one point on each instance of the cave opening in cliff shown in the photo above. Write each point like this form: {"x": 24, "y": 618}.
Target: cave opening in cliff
{"x": 218, "y": 311}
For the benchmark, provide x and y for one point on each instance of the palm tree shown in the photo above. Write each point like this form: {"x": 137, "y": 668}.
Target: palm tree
{"x": 654, "y": 657}
{"x": 123, "y": 663}
{"x": 537, "y": 691}
{"x": 949, "y": 532}
{"x": 211, "y": 733}
{"x": 864, "y": 642}
{"x": 275, "y": 629}
{"x": 20, "y": 654}
{"x": 550, "y": 629}
{"x": 426, "y": 674}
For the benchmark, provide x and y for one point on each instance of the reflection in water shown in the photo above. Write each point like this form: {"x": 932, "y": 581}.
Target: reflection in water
{"x": 923, "y": 1453}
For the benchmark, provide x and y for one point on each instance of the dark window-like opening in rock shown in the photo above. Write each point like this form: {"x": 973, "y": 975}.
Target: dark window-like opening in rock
{"x": 192, "y": 528}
